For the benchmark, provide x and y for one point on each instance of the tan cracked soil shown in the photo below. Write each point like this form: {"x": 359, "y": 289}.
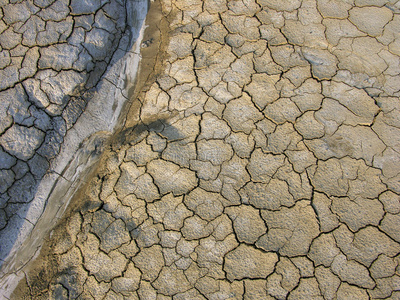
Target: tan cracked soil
{"x": 260, "y": 159}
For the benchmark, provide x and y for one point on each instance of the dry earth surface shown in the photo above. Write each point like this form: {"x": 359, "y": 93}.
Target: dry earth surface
{"x": 260, "y": 159}
{"x": 66, "y": 68}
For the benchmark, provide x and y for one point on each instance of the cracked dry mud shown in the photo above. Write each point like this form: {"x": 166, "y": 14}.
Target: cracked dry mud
{"x": 261, "y": 160}
{"x": 60, "y": 86}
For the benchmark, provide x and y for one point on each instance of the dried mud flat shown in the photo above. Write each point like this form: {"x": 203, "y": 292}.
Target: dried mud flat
{"x": 260, "y": 159}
